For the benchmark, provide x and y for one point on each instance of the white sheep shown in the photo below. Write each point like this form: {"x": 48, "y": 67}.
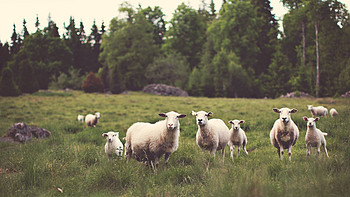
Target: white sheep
{"x": 317, "y": 111}
{"x": 213, "y": 134}
{"x": 91, "y": 120}
{"x": 284, "y": 133}
{"x": 333, "y": 112}
{"x": 237, "y": 137}
{"x": 80, "y": 118}
{"x": 113, "y": 144}
{"x": 314, "y": 137}
{"x": 148, "y": 142}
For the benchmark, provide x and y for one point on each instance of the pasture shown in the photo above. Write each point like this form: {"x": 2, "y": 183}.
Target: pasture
{"x": 73, "y": 158}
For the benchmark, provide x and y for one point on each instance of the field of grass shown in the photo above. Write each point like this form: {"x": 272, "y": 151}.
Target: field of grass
{"x": 73, "y": 157}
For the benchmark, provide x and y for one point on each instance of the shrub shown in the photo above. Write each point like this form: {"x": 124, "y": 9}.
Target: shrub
{"x": 72, "y": 80}
{"x": 92, "y": 83}
{"x": 28, "y": 83}
{"x": 7, "y": 84}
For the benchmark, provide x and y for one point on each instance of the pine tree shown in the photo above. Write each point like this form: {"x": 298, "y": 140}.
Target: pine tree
{"x": 25, "y": 30}
{"x": 7, "y": 84}
{"x": 15, "y": 44}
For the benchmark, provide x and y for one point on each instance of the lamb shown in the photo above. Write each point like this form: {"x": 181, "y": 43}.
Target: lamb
{"x": 113, "y": 145}
{"x": 318, "y": 111}
{"x": 333, "y": 112}
{"x": 213, "y": 134}
{"x": 92, "y": 120}
{"x": 314, "y": 137}
{"x": 237, "y": 137}
{"x": 148, "y": 142}
{"x": 284, "y": 133}
{"x": 80, "y": 118}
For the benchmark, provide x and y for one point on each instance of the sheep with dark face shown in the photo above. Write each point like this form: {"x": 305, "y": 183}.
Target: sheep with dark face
{"x": 237, "y": 137}
{"x": 284, "y": 133}
{"x": 113, "y": 144}
{"x": 314, "y": 137}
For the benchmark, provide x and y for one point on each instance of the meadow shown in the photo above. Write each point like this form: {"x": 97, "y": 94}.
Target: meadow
{"x": 73, "y": 158}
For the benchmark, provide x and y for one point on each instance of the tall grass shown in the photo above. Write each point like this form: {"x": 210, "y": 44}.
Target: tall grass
{"x": 73, "y": 158}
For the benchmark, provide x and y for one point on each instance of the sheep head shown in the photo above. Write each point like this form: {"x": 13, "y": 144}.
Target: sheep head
{"x": 285, "y": 114}
{"x": 110, "y": 135}
{"x": 172, "y": 119}
{"x": 311, "y": 122}
{"x": 202, "y": 117}
{"x": 309, "y": 107}
{"x": 236, "y": 124}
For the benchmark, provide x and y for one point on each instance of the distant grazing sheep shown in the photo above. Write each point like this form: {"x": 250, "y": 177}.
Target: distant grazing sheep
{"x": 113, "y": 144}
{"x": 333, "y": 112}
{"x": 91, "y": 120}
{"x": 80, "y": 118}
{"x": 284, "y": 133}
{"x": 314, "y": 137}
{"x": 237, "y": 137}
{"x": 318, "y": 111}
{"x": 148, "y": 142}
{"x": 213, "y": 134}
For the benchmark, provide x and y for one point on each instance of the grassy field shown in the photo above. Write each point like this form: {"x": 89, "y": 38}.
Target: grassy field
{"x": 73, "y": 157}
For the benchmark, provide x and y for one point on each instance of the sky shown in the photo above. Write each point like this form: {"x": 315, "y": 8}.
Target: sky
{"x": 14, "y": 11}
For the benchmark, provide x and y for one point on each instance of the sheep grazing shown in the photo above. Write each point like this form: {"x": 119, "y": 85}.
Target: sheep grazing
{"x": 113, "y": 144}
{"x": 148, "y": 142}
{"x": 213, "y": 134}
{"x": 80, "y": 118}
{"x": 314, "y": 137}
{"x": 91, "y": 120}
{"x": 318, "y": 111}
{"x": 333, "y": 112}
{"x": 237, "y": 137}
{"x": 284, "y": 133}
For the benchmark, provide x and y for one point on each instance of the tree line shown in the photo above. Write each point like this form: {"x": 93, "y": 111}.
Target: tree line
{"x": 237, "y": 51}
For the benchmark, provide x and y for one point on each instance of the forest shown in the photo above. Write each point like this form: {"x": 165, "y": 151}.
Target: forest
{"x": 237, "y": 50}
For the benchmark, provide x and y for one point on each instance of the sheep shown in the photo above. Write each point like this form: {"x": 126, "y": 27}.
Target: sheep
{"x": 113, "y": 144}
{"x": 91, "y": 120}
{"x": 80, "y": 118}
{"x": 284, "y": 133}
{"x": 314, "y": 137}
{"x": 237, "y": 137}
{"x": 148, "y": 142}
{"x": 213, "y": 134}
{"x": 333, "y": 112}
{"x": 317, "y": 111}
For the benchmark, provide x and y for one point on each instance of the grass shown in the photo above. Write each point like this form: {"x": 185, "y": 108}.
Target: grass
{"x": 73, "y": 157}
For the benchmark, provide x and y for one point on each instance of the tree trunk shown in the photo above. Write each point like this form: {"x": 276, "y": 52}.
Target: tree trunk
{"x": 317, "y": 61}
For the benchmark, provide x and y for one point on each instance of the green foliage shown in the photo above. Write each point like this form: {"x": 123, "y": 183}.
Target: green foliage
{"x": 8, "y": 87}
{"x": 92, "y": 83}
{"x": 27, "y": 81}
{"x": 72, "y": 80}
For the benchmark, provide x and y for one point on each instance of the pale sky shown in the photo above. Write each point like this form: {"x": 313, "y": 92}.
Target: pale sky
{"x": 14, "y": 11}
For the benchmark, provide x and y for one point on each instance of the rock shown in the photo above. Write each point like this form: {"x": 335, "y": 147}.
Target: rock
{"x": 346, "y": 94}
{"x": 20, "y": 132}
{"x": 296, "y": 94}
{"x": 164, "y": 90}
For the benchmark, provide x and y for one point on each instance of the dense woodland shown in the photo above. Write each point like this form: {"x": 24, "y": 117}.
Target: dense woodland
{"x": 236, "y": 50}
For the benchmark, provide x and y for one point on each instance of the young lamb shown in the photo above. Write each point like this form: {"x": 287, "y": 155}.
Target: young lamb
{"x": 113, "y": 145}
{"x": 284, "y": 133}
{"x": 237, "y": 137}
{"x": 213, "y": 134}
{"x": 314, "y": 137}
{"x": 80, "y": 118}
{"x": 92, "y": 120}
{"x": 148, "y": 142}
{"x": 333, "y": 112}
{"x": 317, "y": 111}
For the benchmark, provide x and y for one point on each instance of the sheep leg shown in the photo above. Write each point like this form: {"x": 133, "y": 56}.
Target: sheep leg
{"x": 308, "y": 150}
{"x": 232, "y": 149}
{"x": 244, "y": 147}
{"x": 318, "y": 149}
{"x": 281, "y": 152}
{"x": 223, "y": 155}
{"x": 238, "y": 150}
{"x": 325, "y": 150}
{"x": 166, "y": 159}
{"x": 290, "y": 153}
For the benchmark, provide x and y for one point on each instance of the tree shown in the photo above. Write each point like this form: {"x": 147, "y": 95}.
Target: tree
{"x": 156, "y": 18}
{"x": 4, "y": 54}
{"x": 8, "y": 87}
{"x": 51, "y": 29}
{"x": 92, "y": 83}
{"x": 25, "y": 32}
{"x": 27, "y": 82}
{"x": 15, "y": 42}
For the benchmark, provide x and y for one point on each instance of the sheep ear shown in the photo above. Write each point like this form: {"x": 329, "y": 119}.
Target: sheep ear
{"x": 230, "y": 122}
{"x": 317, "y": 118}
{"x": 104, "y": 135}
{"x": 162, "y": 115}
{"x": 193, "y": 113}
{"x": 305, "y": 118}
{"x": 242, "y": 121}
{"x": 210, "y": 114}
{"x": 293, "y": 110}
{"x": 181, "y": 116}
{"x": 276, "y": 110}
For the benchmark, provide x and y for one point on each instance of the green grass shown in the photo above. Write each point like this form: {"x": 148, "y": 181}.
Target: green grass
{"x": 73, "y": 157}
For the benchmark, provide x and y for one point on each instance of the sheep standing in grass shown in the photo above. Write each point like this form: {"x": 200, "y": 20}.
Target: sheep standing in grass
{"x": 113, "y": 145}
{"x": 333, "y": 112}
{"x": 213, "y": 134}
{"x": 318, "y": 111}
{"x": 80, "y": 118}
{"x": 92, "y": 120}
{"x": 237, "y": 137}
{"x": 314, "y": 137}
{"x": 284, "y": 133}
{"x": 148, "y": 142}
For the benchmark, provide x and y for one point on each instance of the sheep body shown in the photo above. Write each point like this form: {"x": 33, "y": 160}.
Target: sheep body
{"x": 92, "y": 120}
{"x": 314, "y": 137}
{"x": 149, "y": 142}
{"x": 284, "y": 133}
{"x": 113, "y": 144}
{"x": 317, "y": 111}
{"x": 333, "y": 112}
{"x": 80, "y": 118}
{"x": 213, "y": 134}
{"x": 237, "y": 137}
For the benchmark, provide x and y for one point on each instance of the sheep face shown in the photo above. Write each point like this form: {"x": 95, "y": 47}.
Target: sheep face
{"x": 98, "y": 115}
{"x": 202, "y": 117}
{"x": 172, "y": 119}
{"x": 311, "y": 122}
{"x": 309, "y": 107}
{"x": 110, "y": 135}
{"x": 236, "y": 124}
{"x": 285, "y": 114}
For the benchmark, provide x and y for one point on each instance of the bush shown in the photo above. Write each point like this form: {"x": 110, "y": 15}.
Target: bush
{"x": 92, "y": 83}
{"x": 72, "y": 80}
{"x": 28, "y": 83}
{"x": 7, "y": 84}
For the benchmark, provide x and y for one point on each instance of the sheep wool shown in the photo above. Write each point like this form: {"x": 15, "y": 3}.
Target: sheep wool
{"x": 333, "y": 112}
{"x": 92, "y": 120}
{"x": 237, "y": 137}
{"x": 113, "y": 144}
{"x": 318, "y": 111}
{"x": 314, "y": 137}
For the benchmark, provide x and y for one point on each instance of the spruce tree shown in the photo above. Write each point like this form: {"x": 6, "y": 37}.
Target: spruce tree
{"x": 8, "y": 86}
